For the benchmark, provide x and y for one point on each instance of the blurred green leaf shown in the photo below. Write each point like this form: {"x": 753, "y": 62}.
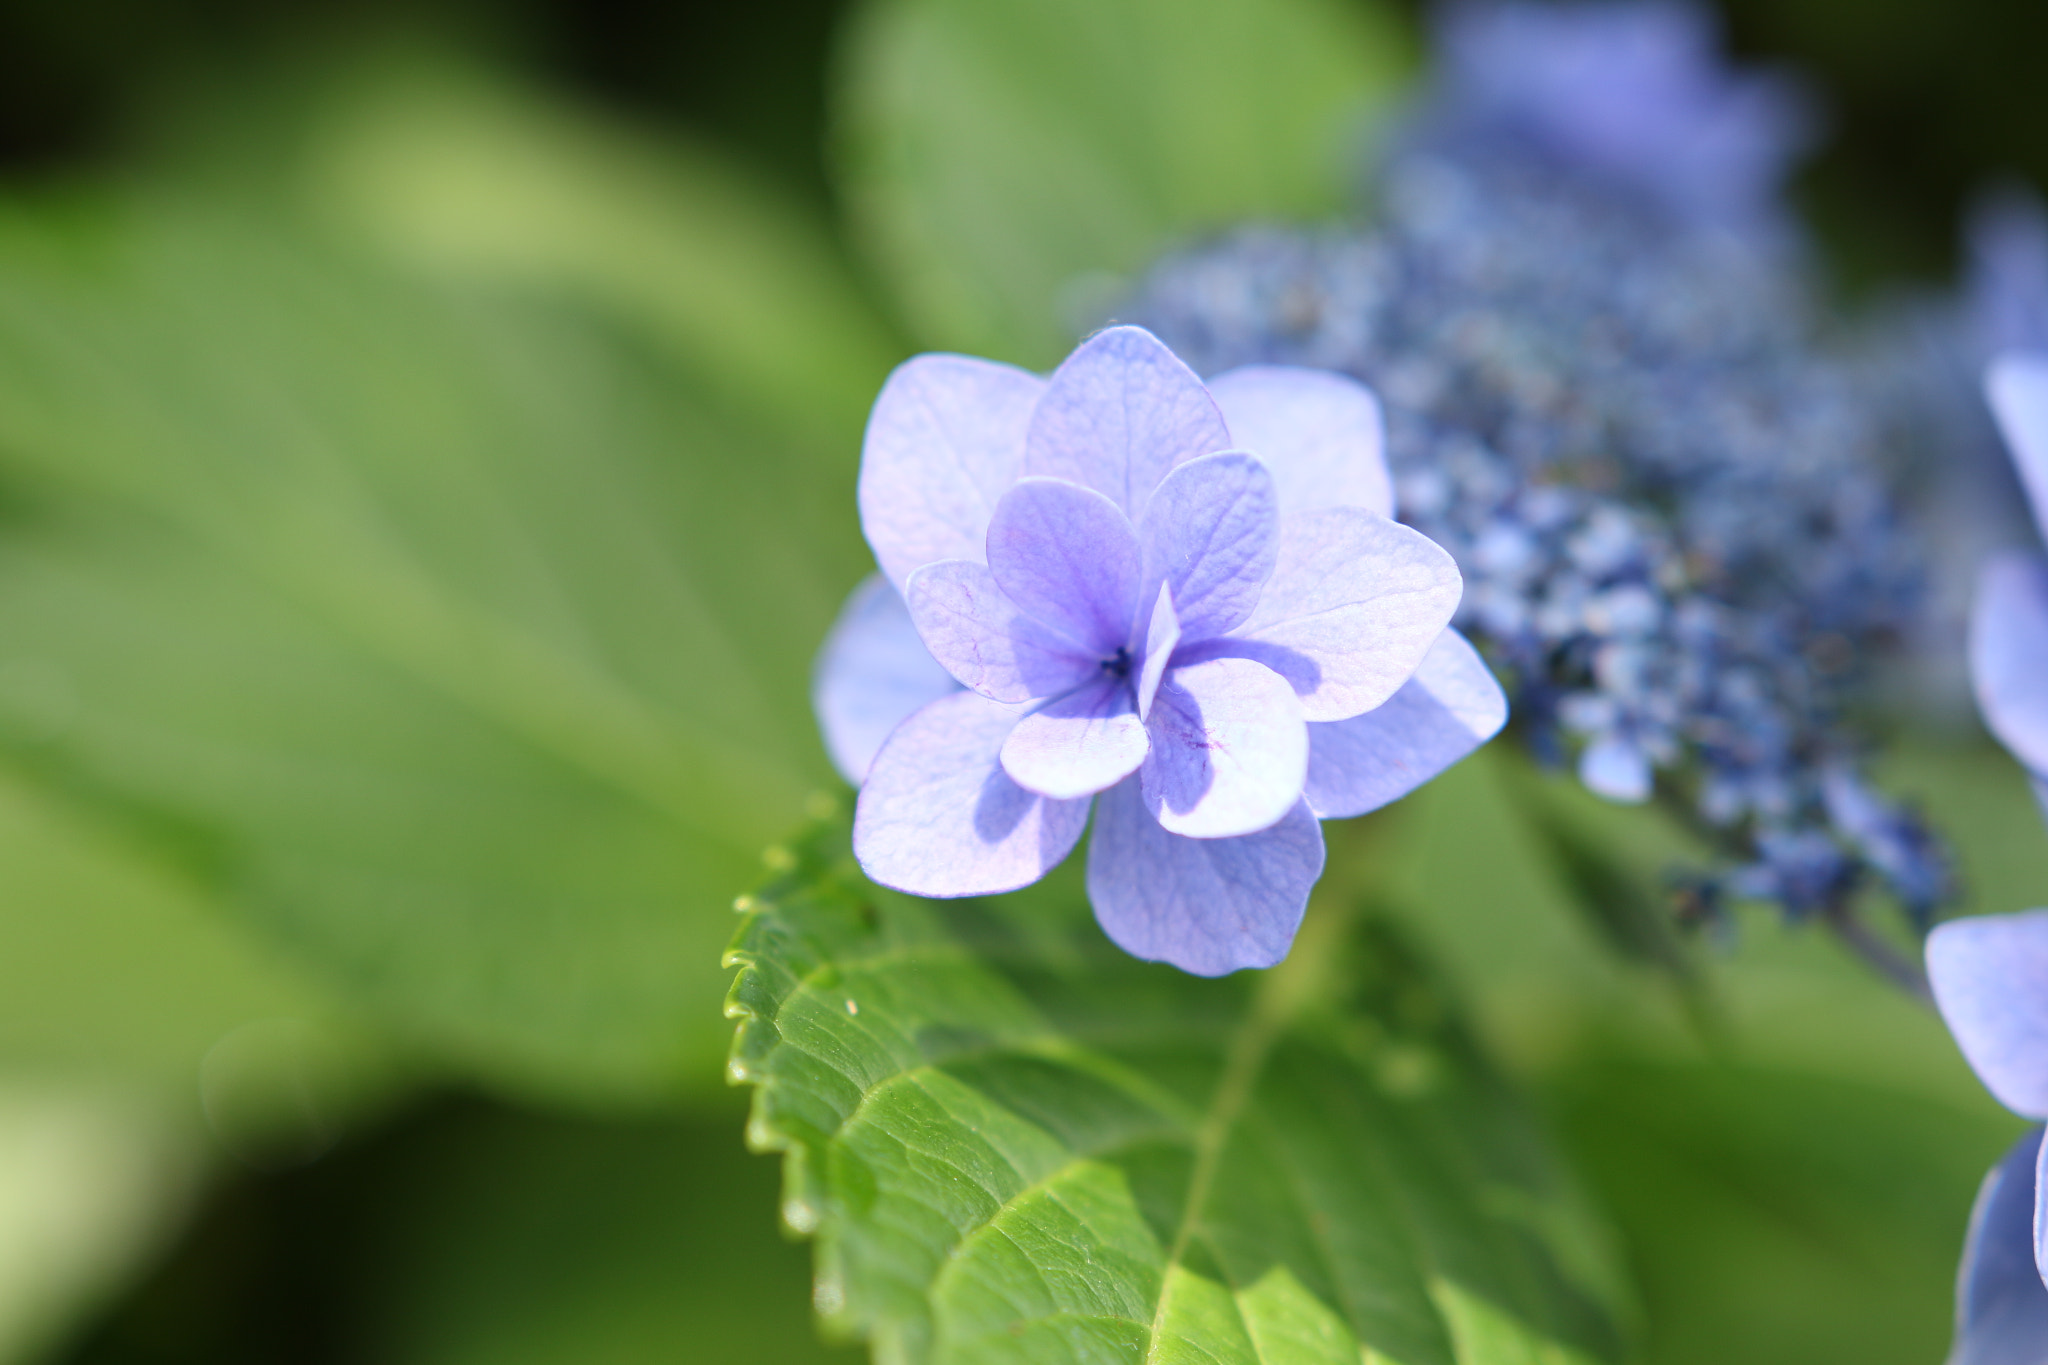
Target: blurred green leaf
{"x": 470, "y": 174}
{"x": 463, "y": 650}
{"x": 1005, "y": 160}
{"x": 1779, "y": 1218}
{"x": 118, "y": 971}
{"x": 1014, "y": 1142}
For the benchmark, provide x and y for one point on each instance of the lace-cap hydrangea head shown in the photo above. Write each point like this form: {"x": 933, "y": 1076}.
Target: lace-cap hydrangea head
{"x": 1186, "y": 606}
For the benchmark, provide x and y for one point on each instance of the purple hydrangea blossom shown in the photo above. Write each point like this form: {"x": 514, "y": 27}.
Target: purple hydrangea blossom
{"x": 1188, "y": 601}
{"x": 1990, "y": 973}
{"x": 1630, "y": 92}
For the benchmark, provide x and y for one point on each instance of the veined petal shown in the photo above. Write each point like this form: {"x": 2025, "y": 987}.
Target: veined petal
{"x": 1990, "y": 979}
{"x": 938, "y": 816}
{"x": 1208, "y": 906}
{"x": 1320, "y": 433}
{"x": 1079, "y": 744}
{"x": 1162, "y": 637}
{"x": 2001, "y": 1302}
{"x": 1068, "y": 557}
{"x": 980, "y": 637}
{"x": 945, "y": 439}
{"x": 1450, "y": 707}
{"x": 2009, "y": 654}
{"x": 1118, "y": 414}
{"x": 2017, "y": 385}
{"x": 1354, "y": 603}
{"x": 1211, "y": 533}
{"x": 1229, "y": 750}
{"x": 872, "y": 673}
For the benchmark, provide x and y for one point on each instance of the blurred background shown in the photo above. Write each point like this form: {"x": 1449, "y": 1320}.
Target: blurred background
{"x": 427, "y": 434}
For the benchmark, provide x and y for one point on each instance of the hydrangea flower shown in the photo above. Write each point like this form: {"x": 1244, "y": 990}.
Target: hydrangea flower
{"x": 1633, "y": 94}
{"x": 1990, "y": 973}
{"x": 1184, "y": 606}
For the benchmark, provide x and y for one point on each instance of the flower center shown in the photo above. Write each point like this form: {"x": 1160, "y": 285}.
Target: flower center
{"x": 1118, "y": 665}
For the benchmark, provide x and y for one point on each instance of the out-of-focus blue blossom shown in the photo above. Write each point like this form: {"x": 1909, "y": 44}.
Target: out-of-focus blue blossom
{"x": 1633, "y": 95}
{"x": 1989, "y": 973}
{"x": 2001, "y": 1302}
{"x": 1670, "y": 506}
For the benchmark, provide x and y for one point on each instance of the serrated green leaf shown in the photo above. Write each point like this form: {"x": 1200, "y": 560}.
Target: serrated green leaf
{"x": 1005, "y": 161}
{"x": 1013, "y": 1142}
{"x": 463, "y": 650}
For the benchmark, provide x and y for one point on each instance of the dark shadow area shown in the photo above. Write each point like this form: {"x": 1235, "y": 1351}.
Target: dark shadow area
{"x": 466, "y": 1231}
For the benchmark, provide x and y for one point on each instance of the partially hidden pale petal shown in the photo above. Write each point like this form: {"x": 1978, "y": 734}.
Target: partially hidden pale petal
{"x": 2017, "y": 385}
{"x": 872, "y": 673}
{"x": 1208, "y": 906}
{"x": 1078, "y": 744}
{"x": 1211, "y": 533}
{"x": 1990, "y": 979}
{"x": 1354, "y": 603}
{"x": 1118, "y": 414}
{"x": 2001, "y": 1302}
{"x": 2009, "y": 654}
{"x": 1067, "y": 556}
{"x": 1229, "y": 750}
{"x": 1162, "y": 637}
{"x": 945, "y": 439}
{"x": 980, "y": 637}
{"x": 938, "y": 816}
{"x": 1450, "y": 707}
{"x": 1320, "y": 433}
{"x": 1617, "y": 769}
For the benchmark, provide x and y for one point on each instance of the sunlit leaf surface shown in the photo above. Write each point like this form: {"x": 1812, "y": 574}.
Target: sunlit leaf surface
{"x": 463, "y": 649}
{"x": 1012, "y": 1142}
{"x": 1007, "y": 162}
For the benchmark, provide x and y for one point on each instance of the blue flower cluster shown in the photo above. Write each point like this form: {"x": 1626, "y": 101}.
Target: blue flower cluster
{"x": 1678, "y": 536}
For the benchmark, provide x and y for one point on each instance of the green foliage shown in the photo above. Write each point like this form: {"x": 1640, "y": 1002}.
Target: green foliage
{"x": 471, "y": 175}
{"x": 1014, "y": 1142}
{"x": 456, "y": 645}
{"x": 1004, "y": 160}
{"x": 1781, "y": 1217}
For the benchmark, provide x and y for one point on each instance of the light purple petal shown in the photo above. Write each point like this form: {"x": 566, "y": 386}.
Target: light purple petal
{"x": 872, "y": 673}
{"x": 939, "y": 816}
{"x": 1354, "y": 603}
{"x": 1066, "y": 556}
{"x": 980, "y": 637}
{"x": 1208, "y": 906}
{"x": 1162, "y": 637}
{"x": 1078, "y": 744}
{"x": 1320, "y": 433}
{"x": 1990, "y": 979}
{"x": 2009, "y": 654}
{"x": 2001, "y": 1302}
{"x": 1211, "y": 533}
{"x": 1449, "y": 708}
{"x": 945, "y": 439}
{"x": 2017, "y": 385}
{"x": 1616, "y": 770}
{"x": 1118, "y": 414}
{"x": 1229, "y": 749}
